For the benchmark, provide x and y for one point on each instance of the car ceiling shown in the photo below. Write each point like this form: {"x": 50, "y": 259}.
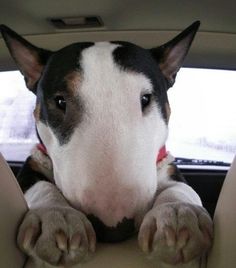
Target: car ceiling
{"x": 147, "y": 23}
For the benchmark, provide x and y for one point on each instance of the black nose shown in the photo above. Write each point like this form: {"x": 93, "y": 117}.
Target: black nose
{"x": 122, "y": 231}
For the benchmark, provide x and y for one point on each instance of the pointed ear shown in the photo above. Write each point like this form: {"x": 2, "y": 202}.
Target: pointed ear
{"x": 170, "y": 56}
{"x": 29, "y": 59}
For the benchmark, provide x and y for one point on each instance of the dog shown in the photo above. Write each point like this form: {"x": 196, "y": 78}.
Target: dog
{"x": 101, "y": 170}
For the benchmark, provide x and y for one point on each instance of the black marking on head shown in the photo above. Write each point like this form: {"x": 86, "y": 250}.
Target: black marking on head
{"x": 159, "y": 64}
{"x": 62, "y": 64}
{"x": 136, "y": 59}
{"x": 121, "y": 232}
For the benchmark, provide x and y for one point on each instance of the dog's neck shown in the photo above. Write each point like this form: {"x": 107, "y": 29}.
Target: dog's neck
{"x": 41, "y": 147}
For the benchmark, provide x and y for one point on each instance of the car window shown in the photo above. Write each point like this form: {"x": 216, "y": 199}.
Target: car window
{"x": 17, "y": 128}
{"x": 203, "y": 119}
{"x": 202, "y": 125}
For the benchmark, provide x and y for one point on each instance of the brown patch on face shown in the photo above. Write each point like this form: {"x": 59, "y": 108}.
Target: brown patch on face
{"x": 34, "y": 165}
{"x": 168, "y": 111}
{"x": 62, "y": 119}
{"x": 37, "y": 112}
{"x": 171, "y": 170}
{"x": 174, "y": 173}
{"x": 73, "y": 81}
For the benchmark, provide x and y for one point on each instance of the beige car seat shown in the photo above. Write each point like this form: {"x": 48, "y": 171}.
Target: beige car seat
{"x": 121, "y": 255}
{"x": 223, "y": 253}
{"x": 12, "y": 209}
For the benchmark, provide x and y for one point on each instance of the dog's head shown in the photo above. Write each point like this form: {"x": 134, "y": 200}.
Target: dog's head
{"x": 102, "y": 113}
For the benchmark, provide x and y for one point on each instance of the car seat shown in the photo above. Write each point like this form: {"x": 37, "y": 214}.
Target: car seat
{"x": 120, "y": 255}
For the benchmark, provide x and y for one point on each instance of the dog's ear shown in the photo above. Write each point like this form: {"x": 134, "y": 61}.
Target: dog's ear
{"x": 29, "y": 59}
{"x": 170, "y": 56}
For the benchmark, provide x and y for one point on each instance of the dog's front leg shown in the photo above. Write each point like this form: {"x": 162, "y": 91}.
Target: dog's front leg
{"x": 177, "y": 230}
{"x": 52, "y": 232}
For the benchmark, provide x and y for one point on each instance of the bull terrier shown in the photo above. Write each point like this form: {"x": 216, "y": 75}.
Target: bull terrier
{"x": 100, "y": 171}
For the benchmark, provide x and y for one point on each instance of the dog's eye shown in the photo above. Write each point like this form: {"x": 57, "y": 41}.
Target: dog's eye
{"x": 145, "y": 100}
{"x": 60, "y": 103}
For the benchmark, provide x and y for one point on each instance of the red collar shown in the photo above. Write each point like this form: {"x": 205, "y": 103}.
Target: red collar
{"x": 41, "y": 147}
{"x": 161, "y": 155}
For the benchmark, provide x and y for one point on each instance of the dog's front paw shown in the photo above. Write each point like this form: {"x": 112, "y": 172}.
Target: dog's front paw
{"x": 58, "y": 236}
{"x": 176, "y": 233}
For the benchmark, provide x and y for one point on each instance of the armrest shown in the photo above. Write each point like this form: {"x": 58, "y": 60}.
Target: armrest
{"x": 223, "y": 254}
{"x": 12, "y": 208}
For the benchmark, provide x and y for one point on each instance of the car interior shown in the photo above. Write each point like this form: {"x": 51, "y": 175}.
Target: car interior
{"x": 56, "y": 23}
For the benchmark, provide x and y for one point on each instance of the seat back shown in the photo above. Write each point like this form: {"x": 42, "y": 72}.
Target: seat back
{"x": 223, "y": 253}
{"x": 12, "y": 209}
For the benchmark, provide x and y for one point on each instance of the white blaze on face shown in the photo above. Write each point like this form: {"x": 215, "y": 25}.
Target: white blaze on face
{"x": 108, "y": 167}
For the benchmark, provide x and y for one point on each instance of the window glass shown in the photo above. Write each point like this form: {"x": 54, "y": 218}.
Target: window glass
{"x": 202, "y": 124}
{"x": 17, "y": 128}
{"x": 203, "y": 119}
